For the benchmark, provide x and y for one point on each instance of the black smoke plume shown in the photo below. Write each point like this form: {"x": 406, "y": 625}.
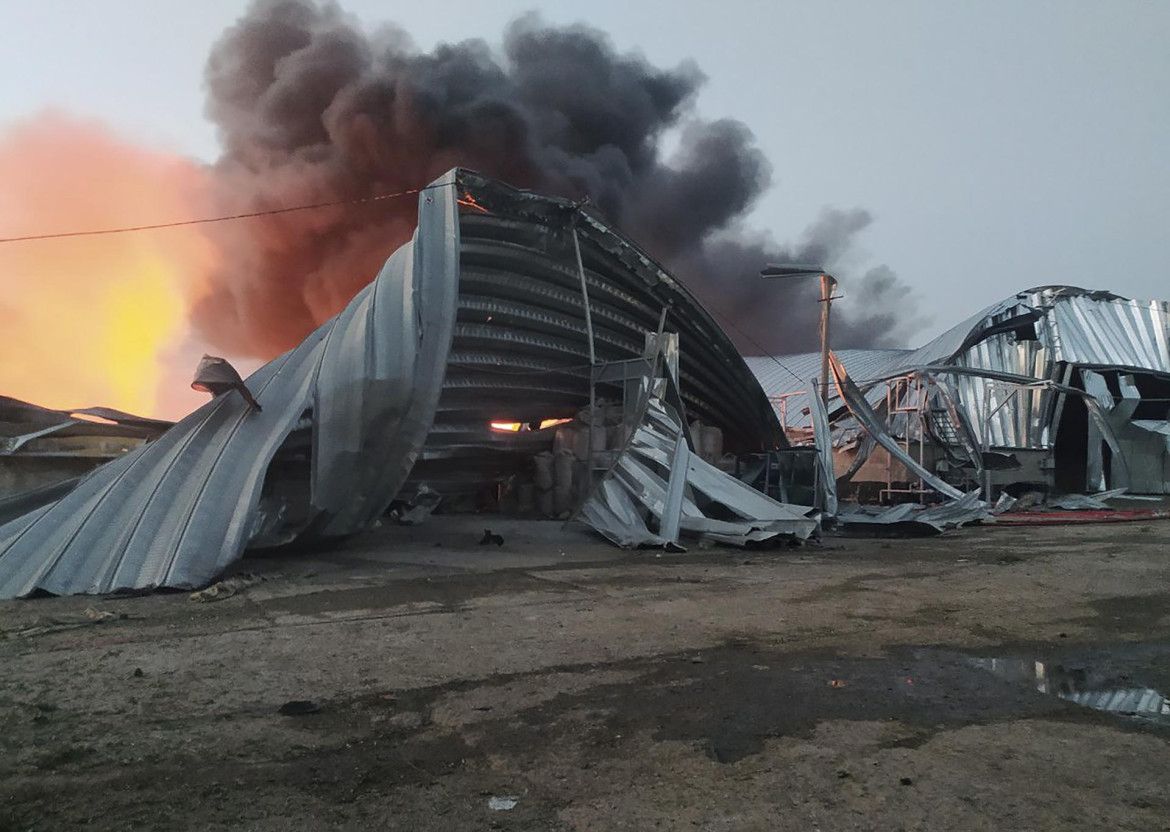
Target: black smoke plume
{"x": 310, "y": 108}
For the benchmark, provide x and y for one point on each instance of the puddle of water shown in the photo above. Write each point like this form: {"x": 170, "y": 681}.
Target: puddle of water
{"x": 1083, "y": 686}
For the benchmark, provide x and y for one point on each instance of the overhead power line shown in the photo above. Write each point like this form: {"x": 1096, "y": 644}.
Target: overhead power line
{"x": 311, "y": 207}
{"x": 206, "y": 220}
{"x": 764, "y": 350}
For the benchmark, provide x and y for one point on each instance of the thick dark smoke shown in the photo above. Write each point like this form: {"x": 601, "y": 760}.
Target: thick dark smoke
{"x": 779, "y": 317}
{"x": 310, "y": 108}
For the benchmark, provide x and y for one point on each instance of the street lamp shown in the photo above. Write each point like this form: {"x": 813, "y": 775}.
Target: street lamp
{"x": 828, "y": 284}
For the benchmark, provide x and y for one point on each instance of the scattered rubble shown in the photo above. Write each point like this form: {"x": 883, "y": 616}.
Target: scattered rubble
{"x": 228, "y": 587}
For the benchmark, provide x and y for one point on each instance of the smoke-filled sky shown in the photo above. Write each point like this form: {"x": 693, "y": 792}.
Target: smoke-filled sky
{"x": 940, "y": 155}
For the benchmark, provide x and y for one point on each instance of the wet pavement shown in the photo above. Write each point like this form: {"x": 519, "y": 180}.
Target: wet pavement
{"x": 848, "y": 686}
{"x": 1118, "y": 680}
{"x": 731, "y": 700}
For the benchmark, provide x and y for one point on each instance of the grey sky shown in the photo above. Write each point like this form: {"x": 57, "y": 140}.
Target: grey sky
{"x": 999, "y": 145}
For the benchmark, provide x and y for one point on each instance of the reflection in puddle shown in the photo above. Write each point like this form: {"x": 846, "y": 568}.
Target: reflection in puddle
{"x": 1083, "y": 686}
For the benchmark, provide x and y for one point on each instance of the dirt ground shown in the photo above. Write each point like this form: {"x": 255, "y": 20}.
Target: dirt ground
{"x": 578, "y": 687}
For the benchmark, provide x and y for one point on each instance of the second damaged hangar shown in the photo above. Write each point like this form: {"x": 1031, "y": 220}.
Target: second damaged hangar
{"x": 1057, "y": 389}
{"x": 505, "y": 308}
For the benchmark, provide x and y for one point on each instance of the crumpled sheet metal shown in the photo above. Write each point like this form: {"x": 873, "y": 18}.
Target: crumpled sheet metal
{"x": 860, "y": 409}
{"x": 175, "y": 512}
{"x": 1097, "y": 414}
{"x": 1085, "y": 502}
{"x": 1070, "y": 325}
{"x": 637, "y": 494}
{"x": 930, "y": 519}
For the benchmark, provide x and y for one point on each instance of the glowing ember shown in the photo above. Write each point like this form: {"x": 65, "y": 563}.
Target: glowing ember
{"x": 97, "y": 320}
{"x": 468, "y": 201}
{"x": 515, "y": 427}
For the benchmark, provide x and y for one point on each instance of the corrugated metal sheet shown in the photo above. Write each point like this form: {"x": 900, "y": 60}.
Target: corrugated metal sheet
{"x": 823, "y": 436}
{"x": 176, "y": 511}
{"x": 1095, "y": 331}
{"x": 935, "y": 519}
{"x": 658, "y": 489}
{"x": 789, "y": 376}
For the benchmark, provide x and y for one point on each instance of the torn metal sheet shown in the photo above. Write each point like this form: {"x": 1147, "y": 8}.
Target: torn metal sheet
{"x": 1004, "y": 504}
{"x": 618, "y": 515}
{"x": 22, "y": 424}
{"x": 18, "y": 505}
{"x": 865, "y": 447}
{"x": 1086, "y": 502}
{"x": 912, "y": 516}
{"x": 178, "y": 510}
{"x": 864, "y": 414}
{"x": 216, "y": 375}
{"x": 418, "y": 508}
{"x": 1042, "y": 339}
{"x": 790, "y": 376}
{"x": 657, "y": 478}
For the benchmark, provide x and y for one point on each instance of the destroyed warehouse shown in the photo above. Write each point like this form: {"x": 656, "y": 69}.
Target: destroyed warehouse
{"x": 449, "y": 375}
{"x": 1056, "y": 389}
{"x": 521, "y": 355}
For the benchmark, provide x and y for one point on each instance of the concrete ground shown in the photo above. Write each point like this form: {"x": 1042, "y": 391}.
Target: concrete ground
{"x": 556, "y": 683}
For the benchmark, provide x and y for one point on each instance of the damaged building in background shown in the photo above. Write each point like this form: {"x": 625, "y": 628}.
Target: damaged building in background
{"x": 517, "y": 353}
{"x": 44, "y": 451}
{"x": 1058, "y": 389}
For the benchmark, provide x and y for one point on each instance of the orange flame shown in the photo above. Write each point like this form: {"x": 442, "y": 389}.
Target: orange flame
{"x": 515, "y": 427}
{"x": 468, "y": 201}
{"x": 97, "y": 320}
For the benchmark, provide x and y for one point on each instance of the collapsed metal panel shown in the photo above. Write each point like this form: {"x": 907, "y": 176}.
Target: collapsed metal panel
{"x": 1028, "y": 334}
{"x": 659, "y": 489}
{"x": 861, "y": 411}
{"x": 176, "y": 511}
{"x": 913, "y": 516}
{"x": 1034, "y": 343}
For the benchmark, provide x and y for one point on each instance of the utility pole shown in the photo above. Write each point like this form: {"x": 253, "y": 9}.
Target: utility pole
{"x": 828, "y": 286}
